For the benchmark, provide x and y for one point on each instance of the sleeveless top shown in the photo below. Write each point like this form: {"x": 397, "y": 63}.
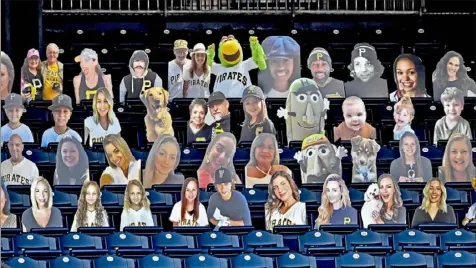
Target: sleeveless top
{"x": 86, "y": 93}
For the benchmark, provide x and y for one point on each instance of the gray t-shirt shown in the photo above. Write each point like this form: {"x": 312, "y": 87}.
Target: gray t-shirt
{"x": 174, "y": 179}
{"x": 421, "y": 216}
{"x": 397, "y": 171}
{"x": 401, "y": 217}
{"x": 29, "y": 221}
{"x": 236, "y": 208}
{"x": 347, "y": 215}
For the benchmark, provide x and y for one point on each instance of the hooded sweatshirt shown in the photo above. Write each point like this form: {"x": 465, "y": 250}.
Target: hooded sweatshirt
{"x": 132, "y": 85}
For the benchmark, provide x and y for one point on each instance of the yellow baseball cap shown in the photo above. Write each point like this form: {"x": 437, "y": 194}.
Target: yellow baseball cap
{"x": 180, "y": 43}
{"x": 313, "y": 140}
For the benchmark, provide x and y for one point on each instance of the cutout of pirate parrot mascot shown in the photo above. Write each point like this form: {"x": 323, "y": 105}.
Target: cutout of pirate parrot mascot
{"x": 319, "y": 158}
{"x": 232, "y": 74}
{"x": 305, "y": 111}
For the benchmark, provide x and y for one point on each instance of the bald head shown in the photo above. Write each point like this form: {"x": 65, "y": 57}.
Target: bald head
{"x": 15, "y": 147}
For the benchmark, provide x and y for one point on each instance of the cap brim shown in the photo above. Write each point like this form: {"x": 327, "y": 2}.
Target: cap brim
{"x": 77, "y": 59}
{"x": 8, "y": 106}
{"x": 55, "y": 107}
{"x": 181, "y": 47}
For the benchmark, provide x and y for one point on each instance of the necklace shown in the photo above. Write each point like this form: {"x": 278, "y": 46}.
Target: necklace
{"x": 264, "y": 173}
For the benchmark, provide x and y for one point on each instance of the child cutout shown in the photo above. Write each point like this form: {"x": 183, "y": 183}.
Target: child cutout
{"x": 354, "y": 123}
{"x": 283, "y": 206}
{"x": 458, "y": 163}
{"x": 409, "y": 75}
{"x": 123, "y": 166}
{"x": 256, "y": 114}
{"x": 14, "y": 109}
{"x": 72, "y": 163}
{"x": 196, "y": 75}
{"x": 90, "y": 211}
{"x": 176, "y": 66}
{"x": 61, "y": 108}
{"x": 7, "y": 76}
{"x": 189, "y": 211}
{"x": 197, "y": 130}
{"x": 403, "y": 114}
{"x": 264, "y": 160}
{"x": 31, "y": 79}
{"x": 470, "y": 217}
{"x": 335, "y": 206}
{"x": 103, "y": 121}
{"x": 136, "y": 210}
{"x": 453, "y": 103}
{"x": 163, "y": 159}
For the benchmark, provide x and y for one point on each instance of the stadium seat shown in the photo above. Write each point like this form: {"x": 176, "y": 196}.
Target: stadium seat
{"x": 68, "y": 262}
{"x": 414, "y": 240}
{"x": 82, "y": 245}
{"x": 460, "y": 239}
{"x": 61, "y": 199}
{"x": 128, "y": 244}
{"x": 159, "y": 199}
{"x": 97, "y": 231}
{"x": 460, "y": 259}
{"x": 205, "y": 260}
{"x": 37, "y": 156}
{"x": 143, "y": 230}
{"x": 219, "y": 244}
{"x": 50, "y": 231}
{"x": 367, "y": 241}
{"x": 341, "y": 229}
{"x": 25, "y": 262}
{"x": 113, "y": 261}
{"x": 7, "y": 249}
{"x": 388, "y": 228}
{"x": 358, "y": 260}
{"x": 319, "y": 243}
{"x": 174, "y": 244}
{"x": 112, "y": 199}
{"x": 19, "y": 200}
{"x": 255, "y": 197}
{"x": 237, "y": 230}
{"x": 295, "y": 260}
{"x": 36, "y": 246}
{"x": 436, "y": 228}
{"x": 264, "y": 244}
{"x": 159, "y": 261}
{"x": 250, "y": 260}
{"x": 409, "y": 259}
{"x": 191, "y": 230}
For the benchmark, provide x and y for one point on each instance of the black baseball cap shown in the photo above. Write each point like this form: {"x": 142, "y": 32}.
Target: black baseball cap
{"x": 253, "y": 91}
{"x": 216, "y": 96}
{"x": 223, "y": 175}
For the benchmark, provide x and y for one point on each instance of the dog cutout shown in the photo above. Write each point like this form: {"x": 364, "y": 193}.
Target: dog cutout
{"x": 364, "y": 157}
{"x": 372, "y": 203}
{"x": 158, "y": 120}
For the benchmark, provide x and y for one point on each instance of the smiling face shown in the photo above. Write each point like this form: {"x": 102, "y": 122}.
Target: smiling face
{"x": 102, "y": 106}
{"x": 222, "y": 152}
{"x": 61, "y": 116}
{"x": 333, "y": 192}
{"x": 199, "y": 58}
{"x": 15, "y": 147}
{"x": 453, "y": 109}
{"x": 435, "y": 192}
{"x": 265, "y": 152}
{"x": 197, "y": 116}
{"x": 42, "y": 194}
{"x": 364, "y": 70}
{"x": 459, "y": 155}
{"x": 320, "y": 71}
{"x": 191, "y": 191}
{"x": 407, "y": 76}
{"x": 14, "y": 114}
{"x": 355, "y": 116}
{"x": 139, "y": 68}
{"x": 135, "y": 195}
{"x": 224, "y": 188}
{"x": 52, "y": 53}
{"x": 253, "y": 106}
{"x": 387, "y": 190}
{"x": 180, "y": 55}
{"x": 92, "y": 195}
{"x": 33, "y": 62}
{"x": 282, "y": 189}
{"x": 3, "y": 199}
{"x": 452, "y": 67}
{"x": 114, "y": 155}
{"x": 281, "y": 68}
{"x": 219, "y": 109}
{"x": 4, "y": 77}
{"x": 70, "y": 154}
{"x": 402, "y": 117}
{"x": 166, "y": 158}
{"x": 409, "y": 146}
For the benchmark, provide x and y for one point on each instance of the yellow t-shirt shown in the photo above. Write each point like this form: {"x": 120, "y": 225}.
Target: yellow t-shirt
{"x": 51, "y": 76}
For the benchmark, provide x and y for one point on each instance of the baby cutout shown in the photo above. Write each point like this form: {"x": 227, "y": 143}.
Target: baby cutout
{"x": 364, "y": 159}
{"x": 72, "y": 162}
{"x": 157, "y": 120}
{"x": 305, "y": 111}
{"x": 403, "y": 114}
{"x": 355, "y": 115}
{"x": 319, "y": 158}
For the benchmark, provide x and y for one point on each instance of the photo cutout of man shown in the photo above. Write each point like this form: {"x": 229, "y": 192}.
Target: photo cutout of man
{"x": 319, "y": 63}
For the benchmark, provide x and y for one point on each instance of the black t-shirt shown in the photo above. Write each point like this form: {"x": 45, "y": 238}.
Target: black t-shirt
{"x": 221, "y": 126}
{"x": 203, "y": 135}
{"x": 248, "y": 133}
{"x": 375, "y": 88}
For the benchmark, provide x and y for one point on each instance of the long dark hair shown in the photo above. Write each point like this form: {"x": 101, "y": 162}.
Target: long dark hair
{"x": 420, "y": 90}
{"x": 441, "y": 75}
{"x": 81, "y": 171}
{"x": 196, "y": 202}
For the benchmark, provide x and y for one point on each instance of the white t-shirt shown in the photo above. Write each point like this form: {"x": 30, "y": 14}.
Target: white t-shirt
{"x": 188, "y": 221}
{"x": 142, "y": 217}
{"x": 471, "y": 212}
{"x": 232, "y": 81}
{"x": 90, "y": 220}
{"x": 22, "y": 173}
{"x": 198, "y": 86}
{"x": 118, "y": 176}
{"x": 175, "y": 80}
{"x": 97, "y": 133}
{"x": 277, "y": 94}
{"x": 50, "y": 135}
{"x": 23, "y": 130}
{"x": 296, "y": 215}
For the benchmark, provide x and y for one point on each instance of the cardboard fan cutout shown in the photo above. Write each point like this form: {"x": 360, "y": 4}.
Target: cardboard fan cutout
{"x": 8, "y": 75}
{"x": 319, "y": 63}
{"x": 305, "y": 111}
{"x": 451, "y": 72}
{"x": 364, "y": 159}
{"x": 72, "y": 163}
{"x": 409, "y": 76}
{"x": 157, "y": 120}
{"x": 31, "y": 80}
{"x": 366, "y": 70}
{"x": 283, "y": 61}
{"x": 163, "y": 159}
{"x": 232, "y": 74}
{"x": 319, "y": 158}
{"x": 219, "y": 154}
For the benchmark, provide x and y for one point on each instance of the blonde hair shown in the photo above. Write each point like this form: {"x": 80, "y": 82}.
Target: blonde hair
{"x": 452, "y": 93}
{"x": 121, "y": 145}
{"x": 326, "y": 209}
{"x": 110, "y": 114}
{"x": 446, "y": 165}
{"x": 127, "y": 200}
{"x": 352, "y": 100}
{"x": 404, "y": 103}
{"x": 425, "y": 204}
{"x": 35, "y": 182}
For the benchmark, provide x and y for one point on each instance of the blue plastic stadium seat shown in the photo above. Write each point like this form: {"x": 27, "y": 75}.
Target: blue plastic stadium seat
{"x": 250, "y": 260}
{"x": 174, "y": 244}
{"x": 112, "y": 199}
{"x": 415, "y": 240}
{"x": 64, "y": 199}
{"x": 157, "y": 198}
{"x": 320, "y": 243}
{"x": 7, "y": 249}
{"x": 205, "y": 260}
{"x": 308, "y": 196}
{"x": 19, "y": 200}
{"x": 456, "y": 197}
{"x": 460, "y": 259}
{"x": 191, "y": 155}
{"x": 458, "y": 240}
{"x": 409, "y": 259}
{"x": 219, "y": 244}
{"x": 264, "y": 243}
{"x": 79, "y": 244}
{"x": 36, "y": 245}
{"x": 26, "y": 262}
{"x": 358, "y": 260}
{"x": 37, "y": 155}
{"x": 69, "y": 262}
{"x": 113, "y": 261}
{"x": 367, "y": 241}
{"x": 159, "y": 261}
{"x": 295, "y": 260}
{"x": 255, "y": 196}
{"x": 356, "y": 197}
{"x": 125, "y": 243}
{"x": 410, "y": 198}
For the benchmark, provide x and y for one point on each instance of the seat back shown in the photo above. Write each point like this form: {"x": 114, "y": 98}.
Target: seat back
{"x": 205, "y": 260}
{"x": 217, "y": 239}
{"x": 409, "y": 259}
{"x": 125, "y": 240}
{"x": 68, "y": 262}
{"x": 412, "y": 237}
{"x": 33, "y": 241}
{"x": 25, "y": 262}
{"x": 257, "y": 239}
{"x": 295, "y": 260}
{"x": 172, "y": 240}
{"x": 358, "y": 260}
{"x": 73, "y": 241}
{"x": 457, "y": 258}
{"x": 159, "y": 261}
{"x": 251, "y": 260}
{"x": 316, "y": 239}
{"x": 113, "y": 261}
{"x": 458, "y": 239}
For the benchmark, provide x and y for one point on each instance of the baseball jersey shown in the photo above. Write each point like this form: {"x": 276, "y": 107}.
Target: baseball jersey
{"x": 296, "y": 215}
{"x": 90, "y": 220}
{"x": 142, "y": 217}
{"x": 232, "y": 81}
{"x": 97, "y": 133}
{"x": 175, "y": 80}
{"x": 118, "y": 176}
{"x": 175, "y": 216}
{"x": 50, "y": 135}
{"x": 22, "y": 173}
{"x": 198, "y": 86}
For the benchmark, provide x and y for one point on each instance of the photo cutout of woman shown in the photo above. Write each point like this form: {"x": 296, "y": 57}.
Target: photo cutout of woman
{"x": 283, "y": 62}
{"x": 458, "y": 163}
{"x": 196, "y": 75}
{"x": 219, "y": 154}
{"x": 264, "y": 160}
{"x": 163, "y": 159}
{"x": 90, "y": 211}
{"x": 7, "y": 75}
{"x": 7, "y": 219}
{"x": 470, "y": 216}
{"x": 31, "y": 79}
{"x": 72, "y": 163}
{"x": 335, "y": 203}
{"x": 283, "y": 206}
{"x": 197, "y": 129}
{"x": 256, "y": 114}
{"x": 451, "y": 72}
{"x": 123, "y": 166}
{"x": 409, "y": 75}
{"x": 103, "y": 121}
{"x": 189, "y": 211}
{"x": 136, "y": 210}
